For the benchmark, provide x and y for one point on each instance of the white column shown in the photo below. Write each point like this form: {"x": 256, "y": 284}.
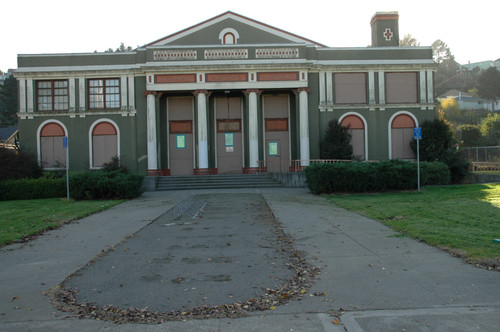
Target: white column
{"x": 123, "y": 92}
{"x": 322, "y": 99}
{"x": 72, "y": 94}
{"x": 304, "y": 126}
{"x": 22, "y": 95}
{"x": 202, "y": 128}
{"x": 329, "y": 88}
{"x": 430, "y": 87}
{"x": 381, "y": 87}
{"x": 371, "y": 88}
{"x": 253, "y": 127}
{"x": 131, "y": 93}
{"x": 151, "y": 130}
{"x": 81, "y": 94}
{"x": 29, "y": 95}
{"x": 423, "y": 88}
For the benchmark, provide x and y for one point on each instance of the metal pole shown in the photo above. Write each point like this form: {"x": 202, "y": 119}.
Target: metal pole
{"x": 418, "y": 165}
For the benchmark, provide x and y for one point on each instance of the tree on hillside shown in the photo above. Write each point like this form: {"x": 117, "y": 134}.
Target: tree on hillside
{"x": 488, "y": 85}
{"x": 122, "y": 48}
{"x": 450, "y": 108}
{"x": 490, "y": 128}
{"x": 408, "y": 40}
{"x": 8, "y": 101}
{"x": 446, "y": 76}
{"x": 441, "y": 52}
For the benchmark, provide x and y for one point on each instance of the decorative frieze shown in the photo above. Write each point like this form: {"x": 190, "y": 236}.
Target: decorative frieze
{"x": 175, "y": 55}
{"x": 175, "y": 78}
{"x": 225, "y": 54}
{"x": 273, "y": 53}
{"x": 226, "y": 77}
{"x": 278, "y": 76}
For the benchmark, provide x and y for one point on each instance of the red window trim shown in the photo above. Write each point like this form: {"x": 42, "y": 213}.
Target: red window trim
{"x": 52, "y": 96}
{"x": 104, "y": 93}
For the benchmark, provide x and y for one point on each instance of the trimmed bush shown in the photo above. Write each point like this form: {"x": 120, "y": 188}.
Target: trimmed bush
{"x": 375, "y": 176}
{"x": 18, "y": 165}
{"x": 105, "y": 185}
{"x": 32, "y": 188}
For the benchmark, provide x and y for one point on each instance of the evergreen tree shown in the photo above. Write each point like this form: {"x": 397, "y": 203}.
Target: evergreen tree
{"x": 337, "y": 142}
{"x": 8, "y": 102}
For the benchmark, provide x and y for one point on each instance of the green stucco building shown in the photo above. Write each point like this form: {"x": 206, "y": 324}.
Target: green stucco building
{"x": 228, "y": 95}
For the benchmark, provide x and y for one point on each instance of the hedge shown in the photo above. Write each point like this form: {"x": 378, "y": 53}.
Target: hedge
{"x": 373, "y": 176}
{"x": 32, "y": 188}
{"x": 105, "y": 185}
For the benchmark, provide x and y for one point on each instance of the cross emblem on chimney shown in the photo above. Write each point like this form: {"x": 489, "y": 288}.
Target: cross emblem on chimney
{"x": 388, "y": 34}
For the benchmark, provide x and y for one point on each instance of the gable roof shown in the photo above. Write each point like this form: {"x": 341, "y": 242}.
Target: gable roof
{"x": 276, "y": 32}
{"x": 6, "y": 133}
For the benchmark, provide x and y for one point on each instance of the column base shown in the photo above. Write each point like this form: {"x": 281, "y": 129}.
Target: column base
{"x": 205, "y": 171}
{"x": 251, "y": 170}
{"x": 158, "y": 172}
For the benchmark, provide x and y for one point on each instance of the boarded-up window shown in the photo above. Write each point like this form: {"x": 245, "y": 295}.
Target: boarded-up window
{"x": 104, "y": 144}
{"x": 401, "y": 136}
{"x": 357, "y": 131}
{"x": 181, "y": 127}
{"x": 401, "y": 88}
{"x": 233, "y": 126}
{"x": 276, "y": 124}
{"x": 350, "y": 88}
{"x": 51, "y": 146}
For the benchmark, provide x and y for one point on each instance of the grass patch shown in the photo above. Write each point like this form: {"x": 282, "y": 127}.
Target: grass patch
{"x": 461, "y": 219}
{"x": 20, "y": 220}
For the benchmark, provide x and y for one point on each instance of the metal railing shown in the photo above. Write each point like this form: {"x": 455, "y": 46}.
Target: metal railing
{"x": 482, "y": 153}
{"x": 297, "y": 165}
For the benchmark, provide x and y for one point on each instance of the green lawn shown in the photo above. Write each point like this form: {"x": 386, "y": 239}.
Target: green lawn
{"x": 462, "y": 219}
{"x": 24, "y": 218}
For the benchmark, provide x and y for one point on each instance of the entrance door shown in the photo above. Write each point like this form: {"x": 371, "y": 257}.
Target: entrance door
{"x": 229, "y": 137}
{"x": 180, "y": 118}
{"x": 277, "y": 135}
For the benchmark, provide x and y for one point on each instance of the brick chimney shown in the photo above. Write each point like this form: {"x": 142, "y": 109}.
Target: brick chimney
{"x": 385, "y": 29}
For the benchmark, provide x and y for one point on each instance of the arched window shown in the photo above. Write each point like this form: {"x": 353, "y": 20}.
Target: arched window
{"x": 229, "y": 36}
{"x": 357, "y": 131}
{"x": 52, "y": 154}
{"x": 401, "y": 135}
{"x": 104, "y": 143}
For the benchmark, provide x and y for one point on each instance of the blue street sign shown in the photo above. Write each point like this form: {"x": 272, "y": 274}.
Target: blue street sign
{"x": 65, "y": 142}
{"x": 417, "y": 133}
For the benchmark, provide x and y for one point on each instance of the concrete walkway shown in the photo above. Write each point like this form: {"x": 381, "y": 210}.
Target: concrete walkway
{"x": 370, "y": 279}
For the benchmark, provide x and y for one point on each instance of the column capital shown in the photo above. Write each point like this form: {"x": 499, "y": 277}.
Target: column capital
{"x": 306, "y": 89}
{"x": 248, "y": 91}
{"x": 197, "y": 92}
{"x": 147, "y": 93}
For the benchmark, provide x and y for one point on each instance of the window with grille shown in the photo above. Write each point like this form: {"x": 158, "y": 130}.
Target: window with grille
{"x": 104, "y": 93}
{"x": 52, "y": 95}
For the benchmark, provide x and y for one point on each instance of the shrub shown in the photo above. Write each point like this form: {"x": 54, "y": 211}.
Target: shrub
{"x": 105, "y": 185}
{"x": 370, "y": 177}
{"x": 471, "y": 134}
{"x": 32, "y": 188}
{"x": 437, "y": 145}
{"x": 18, "y": 165}
{"x": 337, "y": 142}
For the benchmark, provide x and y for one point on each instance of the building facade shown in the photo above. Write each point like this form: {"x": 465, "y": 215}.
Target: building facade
{"x": 228, "y": 95}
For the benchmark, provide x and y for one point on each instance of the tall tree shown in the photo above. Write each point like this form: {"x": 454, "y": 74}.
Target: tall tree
{"x": 488, "y": 85}
{"x": 408, "y": 40}
{"x": 441, "y": 52}
{"x": 122, "y": 48}
{"x": 8, "y": 101}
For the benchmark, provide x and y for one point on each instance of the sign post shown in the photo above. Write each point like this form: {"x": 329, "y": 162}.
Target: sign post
{"x": 417, "y": 134}
{"x": 65, "y": 145}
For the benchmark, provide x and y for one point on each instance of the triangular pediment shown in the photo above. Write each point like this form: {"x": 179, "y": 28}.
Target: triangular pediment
{"x": 239, "y": 29}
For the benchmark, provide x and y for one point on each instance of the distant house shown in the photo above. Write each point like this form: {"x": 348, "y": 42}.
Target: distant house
{"x": 8, "y": 137}
{"x": 466, "y": 101}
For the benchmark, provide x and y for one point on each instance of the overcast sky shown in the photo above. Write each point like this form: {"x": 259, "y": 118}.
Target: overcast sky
{"x": 470, "y": 29}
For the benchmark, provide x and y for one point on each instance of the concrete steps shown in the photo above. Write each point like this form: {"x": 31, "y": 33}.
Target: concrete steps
{"x": 221, "y": 181}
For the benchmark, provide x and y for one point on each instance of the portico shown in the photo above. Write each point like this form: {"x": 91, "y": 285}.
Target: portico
{"x": 215, "y": 128}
